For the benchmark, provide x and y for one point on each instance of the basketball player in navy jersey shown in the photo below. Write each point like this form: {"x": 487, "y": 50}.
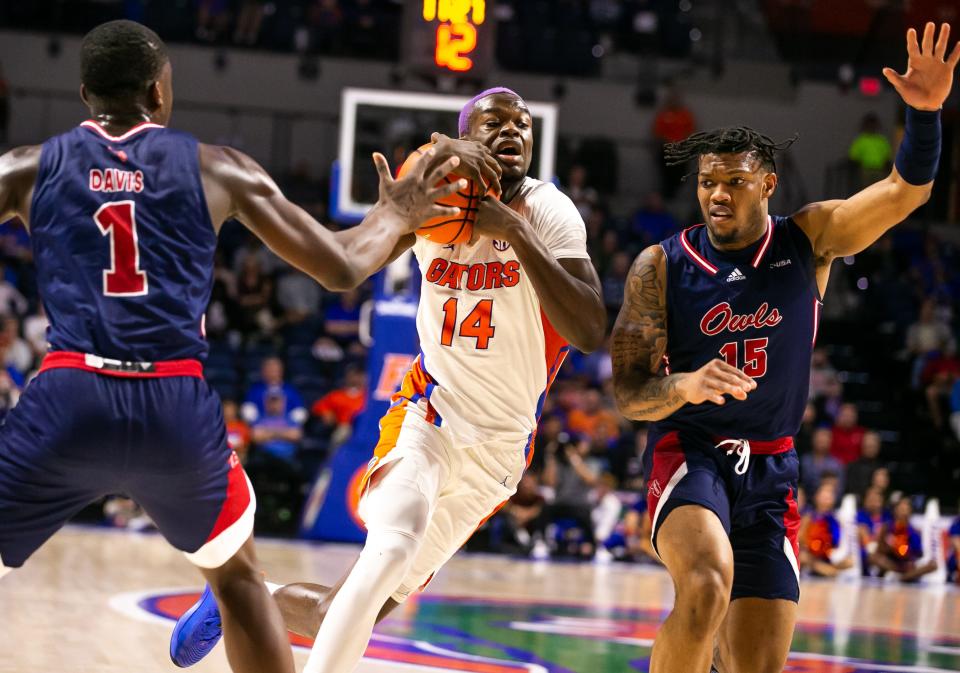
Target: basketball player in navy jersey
{"x": 713, "y": 345}
{"x": 123, "y": 216}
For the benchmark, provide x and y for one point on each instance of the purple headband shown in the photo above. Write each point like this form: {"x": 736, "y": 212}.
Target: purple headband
{"x": 464, "y": 120}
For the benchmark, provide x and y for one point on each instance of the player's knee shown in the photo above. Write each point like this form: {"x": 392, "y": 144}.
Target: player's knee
{"x": 392, "y": 553}
{"x": 239, "y": 589}
{"x": 399, "y": 502}
{"x": 704, "y": 595}
{"x": 754, "y": 661}
{"x": 236, "y": 578}
{"x": 760, "y": 667}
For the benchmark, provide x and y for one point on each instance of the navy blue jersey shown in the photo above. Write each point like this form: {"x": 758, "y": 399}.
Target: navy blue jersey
{"x": 756, "y": 308}
{"x": 123, "y": 243}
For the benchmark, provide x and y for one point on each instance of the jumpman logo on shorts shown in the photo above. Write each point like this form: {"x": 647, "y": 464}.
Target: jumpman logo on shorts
{"x": 504, "y": 482}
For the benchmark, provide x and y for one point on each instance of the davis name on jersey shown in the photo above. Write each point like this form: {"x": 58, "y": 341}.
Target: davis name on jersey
{"x": 484, "y": 340}
{"x": 115, "y": 180}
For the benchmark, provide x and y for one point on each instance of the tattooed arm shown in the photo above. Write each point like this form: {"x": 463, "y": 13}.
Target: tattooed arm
{"x": 640, "y": 341}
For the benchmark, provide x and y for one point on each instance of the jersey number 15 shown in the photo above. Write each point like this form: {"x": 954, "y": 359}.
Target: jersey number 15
{"x": 754, "y": 356}
{"x": 124, "y": 278}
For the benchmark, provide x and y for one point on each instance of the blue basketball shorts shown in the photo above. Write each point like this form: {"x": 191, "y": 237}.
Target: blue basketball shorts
{"x": 758, "y": 508}
{"x": 77, "y": 435}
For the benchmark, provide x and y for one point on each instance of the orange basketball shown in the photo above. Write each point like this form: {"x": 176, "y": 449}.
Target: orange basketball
{"x": 446, "y": 230}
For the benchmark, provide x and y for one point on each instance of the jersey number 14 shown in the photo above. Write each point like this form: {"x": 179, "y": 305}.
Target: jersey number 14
{"x": 124, "y": 278}
{"x": 477, "y": 323}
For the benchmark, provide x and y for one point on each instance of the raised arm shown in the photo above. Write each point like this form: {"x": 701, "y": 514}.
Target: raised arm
{"x": 642, "y": 392}
{"x": 236, "y": 186}
{"x": 18, "y": 173}
{"x": 845, "y": 227}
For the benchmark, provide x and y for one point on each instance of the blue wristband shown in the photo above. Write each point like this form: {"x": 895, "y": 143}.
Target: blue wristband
{"x": 919, "y": 153}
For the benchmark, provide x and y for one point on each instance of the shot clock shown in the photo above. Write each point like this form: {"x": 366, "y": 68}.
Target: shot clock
{"x": 449, "y": 37}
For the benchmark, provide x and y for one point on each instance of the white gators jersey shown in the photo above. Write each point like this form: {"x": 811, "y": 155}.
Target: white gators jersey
{"x": 483, "y": 337}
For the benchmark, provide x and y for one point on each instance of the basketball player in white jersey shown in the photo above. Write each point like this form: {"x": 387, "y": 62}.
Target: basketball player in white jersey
{"x": 495, "y": 321}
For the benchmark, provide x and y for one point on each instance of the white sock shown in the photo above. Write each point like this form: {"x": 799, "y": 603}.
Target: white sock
{"x": 273, "y": 588}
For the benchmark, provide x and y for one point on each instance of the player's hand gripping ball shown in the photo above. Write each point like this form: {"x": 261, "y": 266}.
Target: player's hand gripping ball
{"x": 445, "y": 229}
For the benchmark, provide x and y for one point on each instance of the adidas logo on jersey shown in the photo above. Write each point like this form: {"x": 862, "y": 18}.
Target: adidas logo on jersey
{"x": 735, "y": 275}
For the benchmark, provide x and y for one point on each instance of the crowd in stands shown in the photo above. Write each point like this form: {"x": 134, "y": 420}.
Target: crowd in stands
{"x": 563, "y": 37}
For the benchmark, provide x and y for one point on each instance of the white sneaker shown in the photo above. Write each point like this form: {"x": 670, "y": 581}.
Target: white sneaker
{"x": 540, "y": 551}
{"x": 603, "y": 555}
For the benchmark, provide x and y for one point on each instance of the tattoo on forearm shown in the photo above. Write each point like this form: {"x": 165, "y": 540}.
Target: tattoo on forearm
{"x": 660, "y": 395}
{"x": 640, "y": 341}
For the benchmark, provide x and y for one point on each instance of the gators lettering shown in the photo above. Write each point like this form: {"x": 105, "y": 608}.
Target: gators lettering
{"x": 482, "y": 276}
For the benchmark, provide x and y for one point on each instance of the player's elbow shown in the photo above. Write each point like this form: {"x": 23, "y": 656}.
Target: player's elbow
{"x": 622, "y": 399}
{"x": 338, "y": 277}
{"x": 591, "y": 340}
{"x": 339, "y": 282}
{"x": 909, "y": 196}
{"x": 625, "y": 399}
{"x": 593, "y": 331}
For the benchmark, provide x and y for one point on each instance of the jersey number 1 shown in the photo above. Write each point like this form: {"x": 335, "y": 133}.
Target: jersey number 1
{"x": 124, "y": 277}
{"x": 754, "y": 356}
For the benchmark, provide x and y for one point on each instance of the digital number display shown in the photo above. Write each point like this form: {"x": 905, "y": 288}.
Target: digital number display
{"x": 449, "y": 36}
{"x": 457, "y": 31}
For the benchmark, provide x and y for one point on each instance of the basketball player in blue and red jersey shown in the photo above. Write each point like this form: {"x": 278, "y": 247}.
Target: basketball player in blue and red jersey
{"x": 123, "y": 216}
{"x": 713, "y": 345}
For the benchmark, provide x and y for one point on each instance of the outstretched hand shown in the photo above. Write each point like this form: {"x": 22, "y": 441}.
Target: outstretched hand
{"x": 413, "y": 197}
{"x": 929, "y": 76}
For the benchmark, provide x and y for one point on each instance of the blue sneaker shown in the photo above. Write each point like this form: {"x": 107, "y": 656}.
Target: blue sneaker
{"x": 197, "y": 631}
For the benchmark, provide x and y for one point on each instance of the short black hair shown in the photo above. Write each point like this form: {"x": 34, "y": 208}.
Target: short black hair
{"x": 120, "y": 59}
{"x": 726, "y": 140}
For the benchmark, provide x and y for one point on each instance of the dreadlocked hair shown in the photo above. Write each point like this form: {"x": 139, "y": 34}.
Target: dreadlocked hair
{"x": 727, "y": 140}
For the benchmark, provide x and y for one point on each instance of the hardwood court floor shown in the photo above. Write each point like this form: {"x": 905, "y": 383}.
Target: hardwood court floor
{"x": 102, "y": 601}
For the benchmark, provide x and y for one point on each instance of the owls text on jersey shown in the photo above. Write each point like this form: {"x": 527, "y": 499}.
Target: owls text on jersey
{"x": 484, "y": 339}
{"x": 757, "y": 308}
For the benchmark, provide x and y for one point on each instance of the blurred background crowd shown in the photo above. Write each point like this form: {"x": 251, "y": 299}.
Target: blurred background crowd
{"x": 883, "y": 419}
